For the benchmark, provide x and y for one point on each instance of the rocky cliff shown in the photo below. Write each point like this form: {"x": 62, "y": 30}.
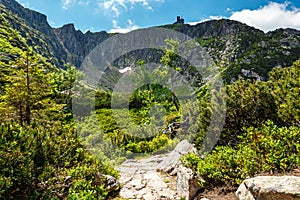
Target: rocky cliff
{"x": 237, "y": 49}
{"x": 60, "y": 46}
{"x": 77, "y": 44}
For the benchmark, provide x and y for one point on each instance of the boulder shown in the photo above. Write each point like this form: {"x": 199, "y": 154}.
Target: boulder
{"x": 187, "y": 183}
{"x": 270, "y": 188}
{"x": 171, "y": 163}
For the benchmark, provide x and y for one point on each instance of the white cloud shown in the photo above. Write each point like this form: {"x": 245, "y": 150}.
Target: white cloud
{"x": 203, "y": 20}
{"x": 70, "y": 3}
{"x": 267, "y": 18}
{"x": 270, "y": 17}
{"x": 116, "y": 6}
{"x": 83, "y": 3}
{"x": 130, "y": 27}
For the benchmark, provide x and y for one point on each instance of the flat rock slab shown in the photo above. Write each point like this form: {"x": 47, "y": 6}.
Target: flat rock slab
{"x": 141, "y": 180}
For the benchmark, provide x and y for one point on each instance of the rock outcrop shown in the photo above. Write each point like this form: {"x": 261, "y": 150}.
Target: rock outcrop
{"x": 171, "y": 163}
{"x": 187, "y": 183}
{"x": 270, "y": 188}
{"x": 77, "y": 44}
{"x": 34, "y": 27}
{"x": 60, "y": 45}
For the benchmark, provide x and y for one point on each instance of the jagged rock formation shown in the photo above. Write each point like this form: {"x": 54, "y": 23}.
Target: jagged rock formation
{"x": 34, "y": 27}
{"x": 60, "y": 46}
{"x": 270, "y": 188}
{"x": 76, "y": 44}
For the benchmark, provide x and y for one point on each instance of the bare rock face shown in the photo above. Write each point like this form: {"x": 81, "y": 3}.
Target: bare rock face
{"x": 171, "y": 163}
{"x": 270, "y": 188}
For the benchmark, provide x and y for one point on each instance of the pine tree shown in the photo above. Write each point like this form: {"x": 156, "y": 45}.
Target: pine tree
{"x": 27, "y": 93}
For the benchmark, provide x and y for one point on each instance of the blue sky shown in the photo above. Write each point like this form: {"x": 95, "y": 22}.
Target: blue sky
{"x": 126, "y": 15}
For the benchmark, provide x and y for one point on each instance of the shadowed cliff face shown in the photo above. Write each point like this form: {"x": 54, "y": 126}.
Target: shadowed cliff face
{"x": 77, "y": 44}
{"x": 237, "y": 49}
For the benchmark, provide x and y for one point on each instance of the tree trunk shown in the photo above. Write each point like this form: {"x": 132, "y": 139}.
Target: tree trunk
{"x": 27, "y": 110}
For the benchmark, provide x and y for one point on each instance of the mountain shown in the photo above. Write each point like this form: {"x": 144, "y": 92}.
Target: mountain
{"x": 238, "y": 49}
{"x": 60, "y": 46}
{"x": 77, "y": 44}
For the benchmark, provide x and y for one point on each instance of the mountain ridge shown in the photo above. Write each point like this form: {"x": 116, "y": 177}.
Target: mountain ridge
{"x": 238, "y": 48}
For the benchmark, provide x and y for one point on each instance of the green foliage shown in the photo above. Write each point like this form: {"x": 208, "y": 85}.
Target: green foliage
{"x": 127, "y": 135}
{"x": 159, "y": 142}
{"x": 151, "y": 106}
{"x": 285, "y": 88}
{"x": 27, "y": 95}
{"x": 261, "y": 132}
{"x": 268, "y": 148}
{"x": 65, "y": 81}
{"x": 36, "y": 161}
{"x": 252, "y": 103}
{"x": 276, "y": 148}
{"x": 248, "y": 104}
{"x": 41, "y": 156}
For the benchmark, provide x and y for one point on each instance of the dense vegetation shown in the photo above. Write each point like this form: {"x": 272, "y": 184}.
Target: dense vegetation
{"x": 261, "y": 133}
{"x": 43, "y": 154}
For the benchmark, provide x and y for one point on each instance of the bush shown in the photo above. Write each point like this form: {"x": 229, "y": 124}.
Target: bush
{"x": 35, "y": 162}
{"x": 277, "y": 148}
{"x": 268, "y": 148}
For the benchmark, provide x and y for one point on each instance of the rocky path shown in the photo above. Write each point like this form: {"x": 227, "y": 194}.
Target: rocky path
{"x": 159, "y": 176}
{"x": 141, "y": 180}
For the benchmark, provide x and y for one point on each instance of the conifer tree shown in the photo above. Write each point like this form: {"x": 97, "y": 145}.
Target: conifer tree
{"x": 27, "y": 93}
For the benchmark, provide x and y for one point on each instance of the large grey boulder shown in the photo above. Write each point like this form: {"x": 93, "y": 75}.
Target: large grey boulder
{"x": 171, "y": 163}
{"x": 186, "y": 181}
{"x": 270, "y": 188}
